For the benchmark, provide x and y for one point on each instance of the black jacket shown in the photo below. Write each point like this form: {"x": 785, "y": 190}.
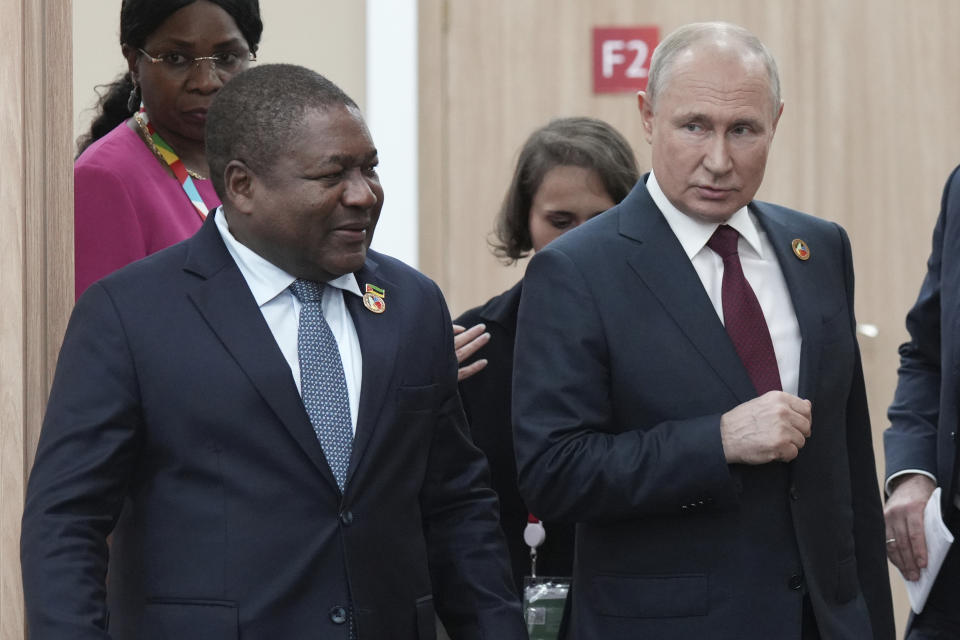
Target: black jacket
{"x": 486, "y": 400}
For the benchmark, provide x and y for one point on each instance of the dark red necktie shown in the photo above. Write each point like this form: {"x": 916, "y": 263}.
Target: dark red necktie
{"x": 742, "y": 315}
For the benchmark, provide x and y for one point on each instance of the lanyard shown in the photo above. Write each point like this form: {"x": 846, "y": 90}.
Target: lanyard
{"x": 168, "y": 155}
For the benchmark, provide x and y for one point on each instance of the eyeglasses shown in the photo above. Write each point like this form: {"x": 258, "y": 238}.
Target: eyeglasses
{"x": 224, "y": 61}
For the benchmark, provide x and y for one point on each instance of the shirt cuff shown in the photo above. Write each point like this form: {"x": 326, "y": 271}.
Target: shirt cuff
{"x": 886, "y": 486}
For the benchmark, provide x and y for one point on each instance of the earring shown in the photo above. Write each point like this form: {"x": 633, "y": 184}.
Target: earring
{"x": 133, "y": 102}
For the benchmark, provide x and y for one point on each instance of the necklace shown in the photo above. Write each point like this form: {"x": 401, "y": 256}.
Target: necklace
{"x": 142, "y": 123}
{"x": 165, "y": 153}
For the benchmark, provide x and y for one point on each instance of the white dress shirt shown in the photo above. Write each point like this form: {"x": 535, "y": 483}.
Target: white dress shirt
{"x": 760, "y": 267}
{"x": 281, "y": 309}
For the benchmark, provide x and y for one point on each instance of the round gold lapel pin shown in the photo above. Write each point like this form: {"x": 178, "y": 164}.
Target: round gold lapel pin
{"x": 374, "y": 303}
{"x": 800, "y": 249}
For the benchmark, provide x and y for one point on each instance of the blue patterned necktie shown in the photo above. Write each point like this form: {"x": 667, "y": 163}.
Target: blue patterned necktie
{"x": 322, "y": 382}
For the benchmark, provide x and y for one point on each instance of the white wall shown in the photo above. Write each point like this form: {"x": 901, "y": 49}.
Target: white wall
{"x": 392, "y": 118}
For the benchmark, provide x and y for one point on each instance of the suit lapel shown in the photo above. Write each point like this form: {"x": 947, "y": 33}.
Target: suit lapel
{"x": 379, "y": 336}
{"x": 224, "y": 300}
{"x": 660, "y": 262}
{"x": 799, "y": 275}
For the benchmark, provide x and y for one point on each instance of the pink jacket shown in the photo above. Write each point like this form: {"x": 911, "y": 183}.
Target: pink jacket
{"x": 126, "y": 206}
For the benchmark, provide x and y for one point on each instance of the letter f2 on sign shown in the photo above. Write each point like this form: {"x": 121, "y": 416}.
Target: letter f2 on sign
{"x": 621, "y": 58}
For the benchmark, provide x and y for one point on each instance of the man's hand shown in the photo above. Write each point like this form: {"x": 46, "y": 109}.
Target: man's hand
{"x": 467, "y": 342}
{"x": 906, "y": 543}
{"x": 774, "y": 426}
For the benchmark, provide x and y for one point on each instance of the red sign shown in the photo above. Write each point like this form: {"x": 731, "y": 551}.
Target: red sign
{"x": 621, "y": 57}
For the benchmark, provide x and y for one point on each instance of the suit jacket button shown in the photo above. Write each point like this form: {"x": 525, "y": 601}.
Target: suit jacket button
{"x": 338, "y": 615}
{"x": 794, "y": 494}
{"x": 346, "y": 517}
{"x": 795, "y": 582}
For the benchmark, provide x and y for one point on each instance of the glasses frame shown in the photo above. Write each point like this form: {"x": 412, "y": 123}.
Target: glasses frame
{"x": 195, "y": 62}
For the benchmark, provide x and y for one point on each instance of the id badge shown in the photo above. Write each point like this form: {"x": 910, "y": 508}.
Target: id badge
{"x": 543, "y": 601}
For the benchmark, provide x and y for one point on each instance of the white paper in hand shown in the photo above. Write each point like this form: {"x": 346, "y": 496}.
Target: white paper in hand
{"x": 939, "y": 540}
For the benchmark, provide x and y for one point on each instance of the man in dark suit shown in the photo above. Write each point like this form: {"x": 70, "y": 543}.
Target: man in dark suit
{"x": 290, "y": 447}
{"x": 921, "y": 443}
{"x": 688, "y": 386}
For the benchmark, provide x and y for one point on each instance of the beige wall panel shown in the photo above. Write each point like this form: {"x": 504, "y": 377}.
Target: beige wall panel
{"x": 325, "y": 35}
{"x": 36, "y": 252}
{"x": 12, "y": 356}
{"x": 49, "y": 289}
{"x": 867, "y": 138}
{"x": 96, "y": 55}
{"x": 328, "y": 36}
{"x": 431, "y": 121}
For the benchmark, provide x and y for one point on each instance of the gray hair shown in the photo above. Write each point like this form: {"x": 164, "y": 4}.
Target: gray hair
{"x": 686, "y": 36}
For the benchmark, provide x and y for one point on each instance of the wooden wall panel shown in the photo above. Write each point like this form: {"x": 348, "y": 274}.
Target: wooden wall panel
{"x": 867, "y": 138}
{"x": 36, "y": 252}
{"x": 433, "y": 137}
{"x": 12, "y": 362}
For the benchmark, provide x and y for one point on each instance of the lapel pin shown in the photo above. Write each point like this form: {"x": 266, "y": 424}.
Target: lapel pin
{"x": 800, "y": 249}
{"x": 373, "y": 298}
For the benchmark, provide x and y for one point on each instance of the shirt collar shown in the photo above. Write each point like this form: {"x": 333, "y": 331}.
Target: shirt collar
{"x": 265, "y": 279}
{"x": 694, "y": 234}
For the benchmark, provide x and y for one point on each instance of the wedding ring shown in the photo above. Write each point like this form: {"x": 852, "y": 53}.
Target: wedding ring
{"x": 891, "y": 540}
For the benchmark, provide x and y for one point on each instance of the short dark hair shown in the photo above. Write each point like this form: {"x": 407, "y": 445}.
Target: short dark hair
{"x": 138, "y": 20}
{"x": 580, "y": 142}
{"x": 256, "y": 115}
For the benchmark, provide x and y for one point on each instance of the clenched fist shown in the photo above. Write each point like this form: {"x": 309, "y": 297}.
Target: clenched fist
{"x": 773, "y": 427}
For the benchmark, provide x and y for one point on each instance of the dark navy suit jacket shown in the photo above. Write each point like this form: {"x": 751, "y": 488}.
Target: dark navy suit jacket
{"x": 622, "y": 372}
{"x": 486, "y": 401}
{"x": 924, "y": 413}
{"x": 172, "y": 395}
